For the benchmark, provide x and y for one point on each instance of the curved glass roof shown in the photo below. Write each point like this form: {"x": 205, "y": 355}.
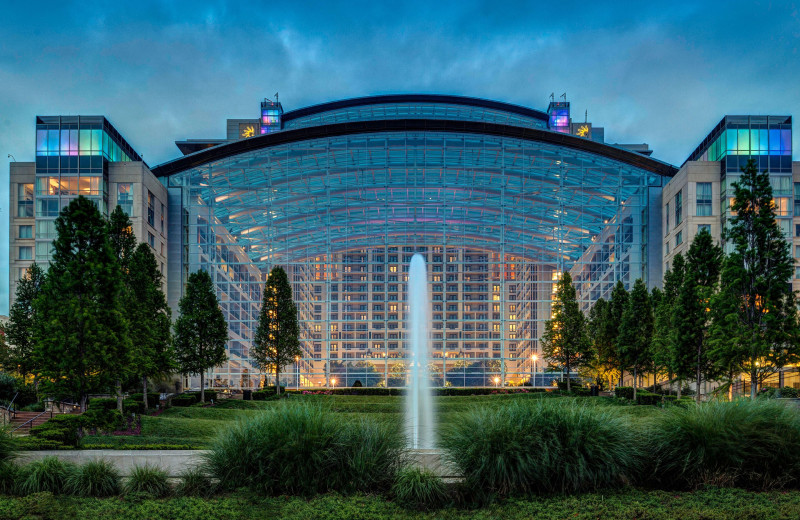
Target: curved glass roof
{"x": 415, "y": 106}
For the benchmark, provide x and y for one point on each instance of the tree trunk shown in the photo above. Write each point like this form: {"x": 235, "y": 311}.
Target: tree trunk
{"x": 277, "y": 380}
{"x": 679, "y": 388}
{"x": 119, "y": 395}
{"x": 569, "y": 387}
{"x": 753, "y": 384}
{"x": 698, "y": 376}
{"x": 82, "y": 402}
{"x": 202, "y": 386}
{"x": 144, "y": 390}
{"x": 634, "y": 382}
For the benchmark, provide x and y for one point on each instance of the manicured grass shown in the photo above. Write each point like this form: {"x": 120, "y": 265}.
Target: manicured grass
{"x": 199, "y": 426}
{"x": 629, "y": 504}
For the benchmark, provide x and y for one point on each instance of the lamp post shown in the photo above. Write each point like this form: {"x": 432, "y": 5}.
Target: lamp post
{"x": 297, "y": 372}
{"x": 496, "y": 381}
{"x": 534, "y": 358}
{"x": 333, "y": 382}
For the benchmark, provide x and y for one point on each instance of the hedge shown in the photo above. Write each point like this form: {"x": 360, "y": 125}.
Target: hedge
{"x": 183, "y": 400}
{"x": 211, "y": 395}
{"x": 63, "y": 429}
{"x": 449, "y": 391}
{"x": 153, "y": 399}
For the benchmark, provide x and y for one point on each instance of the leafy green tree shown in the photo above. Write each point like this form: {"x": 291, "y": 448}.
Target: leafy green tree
{"x": 277, "y": 340}
{"x": 81, "y": 332}
{"x": 123, "y": 243}
{"x": 602, "y": 332}
{"x": 755, "y": 325}
{"x": 23, "y": 322}
{"x": 150, "y": 318}
{"x": 691, "y": 314}
{"x": 663, "y": 349}
{"x": 636, "y": 331}
{"x": 565, "y": 341}
{"x": 200, "y": 330}
{"x": 618, "y": 304}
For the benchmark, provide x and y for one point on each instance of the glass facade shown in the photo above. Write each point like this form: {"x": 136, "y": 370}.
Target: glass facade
{"x": 496, "y": 218}
{"x": 72, "y": 156}
{"x": 431, "y": 110}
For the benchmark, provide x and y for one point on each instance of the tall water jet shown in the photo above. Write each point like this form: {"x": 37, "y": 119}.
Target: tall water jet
{"x": 419, "y": 399}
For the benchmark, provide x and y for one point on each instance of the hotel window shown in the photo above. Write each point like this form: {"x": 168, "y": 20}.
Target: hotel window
{"x": 703, "y": 199}
{"x": 781, "y": 206}
{"x": 797, "y": 199}
{"x": 125, "y": 197}
{"x": 25, "y": 200}
{"x": 797, "y": 272}
{"x": 26, "y": 232}
{"x": 151, "y": 209}
{"x": 797, "y": 230}
{"x": 151, "y": 240}
{"x": 162, "y": 219}
{"x": 666, "y": 228}
{"x": 679, "y": 238}
{"x": 26, "y": 253}
{"x": 678, "y": 208}
{"x": 701, "y": 227}
{"x": 797, "y": 251}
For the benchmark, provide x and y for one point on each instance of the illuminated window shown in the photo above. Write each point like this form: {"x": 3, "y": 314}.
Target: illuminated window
{"x": 151, "y": 209}
{"x": 703, "y": 199}
{"x": 392, "y": 268}
{"x": 25, "y": 200}
{"x": 125, "y": 197}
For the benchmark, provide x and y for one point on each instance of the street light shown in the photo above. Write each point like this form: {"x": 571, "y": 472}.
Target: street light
{"x": 534, "y": 357}
{"x": 297, "y": 371}
{"x": 333, "y": 382}
{"x": 496, "y": 381}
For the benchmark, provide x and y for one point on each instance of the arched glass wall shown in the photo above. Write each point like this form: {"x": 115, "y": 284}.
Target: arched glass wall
{"x": 496, "y": 218}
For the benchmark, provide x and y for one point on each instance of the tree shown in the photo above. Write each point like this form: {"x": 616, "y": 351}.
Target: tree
{"x": 150, "y": 318}
{"x": 755, "y": 327}
{"x": 276, "y": 343}
{"x": 663, "y": 348}
{"x": 565, "y": 341}
{"x": 691, "y": 316}
{"x": 636, "y": 331}
{"x": 123, "y": 243}
{"x": 23, "y": 320}
{"x": 200, "y": 330}
{"x": 602, "y": 332}
{"x": 618, "y": 304}
{"x": 80, "y": 331}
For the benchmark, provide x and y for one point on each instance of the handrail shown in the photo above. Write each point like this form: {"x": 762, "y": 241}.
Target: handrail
{"x": 9, "y": 407}
{"x": 32, "y": 419}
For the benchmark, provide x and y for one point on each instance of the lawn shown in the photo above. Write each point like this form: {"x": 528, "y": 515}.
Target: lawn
{"x": 195, "y": 426}
{"x": 630, "y": 504}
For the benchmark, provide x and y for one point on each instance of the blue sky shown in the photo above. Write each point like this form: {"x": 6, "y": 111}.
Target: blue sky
{"x": 657, "y": 72}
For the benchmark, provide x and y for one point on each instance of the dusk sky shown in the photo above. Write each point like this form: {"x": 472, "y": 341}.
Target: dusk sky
{"x": 663, "y": 73}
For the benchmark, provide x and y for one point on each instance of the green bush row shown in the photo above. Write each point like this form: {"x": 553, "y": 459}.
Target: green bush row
{"x": 97, "y": 478}
{"x": 139, "y": 447}
{"x": 376, "y": 391}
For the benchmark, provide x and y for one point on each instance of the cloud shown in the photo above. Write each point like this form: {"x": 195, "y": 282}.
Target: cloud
{"x": 657, "y": 72}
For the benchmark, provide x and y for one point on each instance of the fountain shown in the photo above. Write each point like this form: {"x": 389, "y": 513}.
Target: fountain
{"x": 419, "y": 398}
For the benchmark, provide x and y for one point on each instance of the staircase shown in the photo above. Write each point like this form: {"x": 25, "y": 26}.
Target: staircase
{"x": 22, "y": 422}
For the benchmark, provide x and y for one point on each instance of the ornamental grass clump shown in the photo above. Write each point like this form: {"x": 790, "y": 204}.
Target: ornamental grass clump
{"x": 547, "y": 446}
{"x": 194, "y": 482}
{"x": 302, "y": 449}
{"x": 47, "y": 474}
{"x": 419, "y": 488}
{"x": 97, "y": 478}
{"x": 8, "y": 445}
{"x": 745, "y": 443}
{"x": 149, "y": 481}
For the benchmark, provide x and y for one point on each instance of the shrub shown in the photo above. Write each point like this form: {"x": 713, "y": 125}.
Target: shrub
{"x": 574, "y": 383}
{"x": 195, "y": 482}
{"x": 33, "y": 407}
{"x": 103, "y": 419}
{"x": 130, "y": 406}
{"x": 147, "y": 480}
{"x": 302, "y": 449}
{"x": 788, "y": 391}
{"x": 211, "y": 395}
{"x": 47, "y": 474}
{"x": 64, "y": 429}
{"x": 542, "y": 446}
{"x": 180, "y": 400}
{"x": 153, "y": 399}
{"x": 419, "y": 489}
{"x": 625, "y": 392}
{"x": 8, "y": 445}
{"x": 9, "y": 477}
{"x": 744, "y": 443}
{"x": 648, "y": 398}
{"x": 102, "y": 403}
{"x": 263, "y": 395}
{"x": 97, "y": 478}
{"x": 32, "y": 443}
{"x": 8, "y": 386}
